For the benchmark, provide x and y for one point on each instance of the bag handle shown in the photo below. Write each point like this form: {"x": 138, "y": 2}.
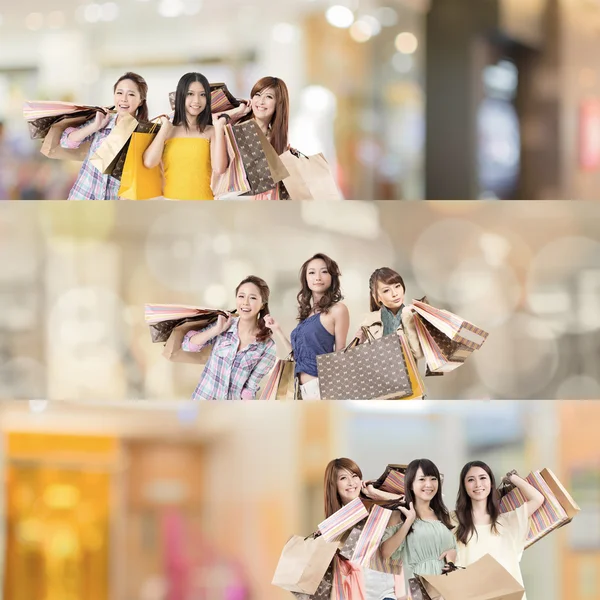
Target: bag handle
{"x": 297, "y": 153}
{"x": 370, "y": 338}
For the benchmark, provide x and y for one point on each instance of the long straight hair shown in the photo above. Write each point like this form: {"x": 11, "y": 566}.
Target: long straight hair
{"x": 333, "y": 502}
{"x": 331, "y": 295}
{"x": 386, "y": 276}
{"x": 141, "y": 114}
{"x": 264, "y": 333}
{"x": 280, "y": 120}
{"x": 464, "y": 505}
{"x": 437, "y": 503}
{"x": 205, "y": 117}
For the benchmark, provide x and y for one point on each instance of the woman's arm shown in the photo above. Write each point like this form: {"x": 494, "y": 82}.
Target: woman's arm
{"x": 281, "y": 340}
{"x": 72, "y": 137}
{"x": 195, "y": 341}
{"x": 153, "y": 154}
{"x": 261, "y": 369}
{"x": 240, "y": 111}
{"x": 218, "y": 149}
{"x": 393, "y": 542}
{"x": 341, "y": 324}
{"x": 534, "y": 498}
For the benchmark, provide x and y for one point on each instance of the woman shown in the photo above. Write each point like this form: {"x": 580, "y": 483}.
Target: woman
{"x": 343, "y": 484}
{"x": 323, "y": 321}
{"x": 243, "y": 350}
{"x": 481, "y": 529}
{"x": 388, "y": 313}
{"x": 269, "y": 106}
{"x": 190, "y": 148}
{"x": 420, "y": 535}
{"x": 130, "y": 93}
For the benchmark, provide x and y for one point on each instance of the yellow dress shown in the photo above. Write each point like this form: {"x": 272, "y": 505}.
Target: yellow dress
{"x": 187, "y": 169}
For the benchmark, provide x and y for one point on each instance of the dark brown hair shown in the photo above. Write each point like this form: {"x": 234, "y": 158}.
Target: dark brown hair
{"x": 141, "y": 114}
{"x": 331, "y": 296}
{"x": 180, "y": 118}
{"x": 464, "y": 506}
{"x": 279, "y": 124}
{"x": 386, "y": 276}
{"x": 333, "y": 502}
{"x": 437, "y": 503}
{"x": 264, "y": 333}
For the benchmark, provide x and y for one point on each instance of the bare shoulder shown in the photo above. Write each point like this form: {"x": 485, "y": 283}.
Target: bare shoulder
{"x": 395, "y": 518}
{"x": 339, "y": 309}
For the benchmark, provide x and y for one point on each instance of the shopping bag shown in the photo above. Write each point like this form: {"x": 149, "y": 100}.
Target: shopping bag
{"x": 557, "y": 510}
{"x": 39, "y": 129}
{"x": 310, "y": 177}
{"x": 105, "y": 157}
{"x": 173, "y": 350}
{"x": 373, "y": 370}
{"x": 324, "y": 588}
{"x": 163, "y": 318}
{"x": 334, "y": 527}
{"x": 392, "y": 479}
{"x": 454, "y": 327}
{"x": 233, "y": 182}
{"x": 348, "y": 580}
{"x": 485, "y": 579}
{"x": 303, "y": 563}
{"x": 370, "y": 538}
{"x": 414, "y": 377}
{"x": 51, "y": 145}
{"x": 137, "y": 181}
{"x": 280, "y": 383}
{"x": 37, "y": 109}
{"x": 256, "y": 157}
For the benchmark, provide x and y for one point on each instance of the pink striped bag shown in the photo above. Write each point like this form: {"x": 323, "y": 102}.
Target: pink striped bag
{"x": 370, "y": 538}
{"x": 348, "y": 580}
{"x": 334, "y": 527}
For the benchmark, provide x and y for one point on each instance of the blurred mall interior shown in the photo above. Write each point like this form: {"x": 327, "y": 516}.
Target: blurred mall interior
{"x": 407, "y": 99}
{"x": 168, "y": 501}
{"x": 73, "y": 291}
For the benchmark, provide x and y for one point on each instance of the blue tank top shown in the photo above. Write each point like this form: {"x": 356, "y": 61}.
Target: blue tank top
{"x": 309, "y": 339}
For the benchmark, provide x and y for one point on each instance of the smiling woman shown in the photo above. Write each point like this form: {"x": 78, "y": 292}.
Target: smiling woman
{"x": 242, "y": 349}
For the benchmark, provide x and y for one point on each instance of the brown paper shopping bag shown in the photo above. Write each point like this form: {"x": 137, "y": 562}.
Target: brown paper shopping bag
{"x": 485, "y": 579}
{"x": 175, "y": 353}
{"x": 51, "y": 146}
{"x": 280, "y": 383}
{"x": 107, "y": 154}
{"x": 303, "y": 563}
{"x": 310, "y": 177}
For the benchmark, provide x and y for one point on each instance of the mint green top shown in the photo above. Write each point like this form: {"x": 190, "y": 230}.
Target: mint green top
{"x": 421, "y": 548}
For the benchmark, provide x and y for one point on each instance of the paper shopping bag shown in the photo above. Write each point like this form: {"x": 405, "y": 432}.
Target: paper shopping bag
{"x": 280, "y": 383}
{"x": 310, "y": 177}
{"x": 454, "y": 327}
{"x": 369, "y": 371}
{"x": 485, "y": 579}
{"x": 173, "y": 350}
{"x": 105, "y": 157}
{"x": 233, "y": 182}
{"x": 392, "y": 479}
{"x": 221, "y": 99}
{"x": 348, "y": 580}
{"x": 324, "y": 588}
{"x": 51, "y": 145}
{"x": 414, "y": 377}
{"x": 334, "y": 527}
{"x": 557, "y": 510}
{"x": 303, "y": 563}
{"x": 137, "y": 181}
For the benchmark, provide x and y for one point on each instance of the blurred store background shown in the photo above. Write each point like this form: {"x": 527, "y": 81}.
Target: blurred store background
{"x": 407, "y": 99}
{"x": 74, "y": 280}
{"x": 147, "y": 501}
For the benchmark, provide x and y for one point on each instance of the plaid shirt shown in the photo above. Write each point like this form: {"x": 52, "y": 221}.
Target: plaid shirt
{"x": 91, "y": 184}
{"x": 230, "y": 374}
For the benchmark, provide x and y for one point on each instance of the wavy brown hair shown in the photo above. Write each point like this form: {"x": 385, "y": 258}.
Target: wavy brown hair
{"x": 333, "y": 502}
{"x": 264, "y": 333}
{"x": 141, "y": 114}
{"x": 331, "y": 296}
{"x": 280, "y": 121}
{"x": 386, "y": 276}
{"x": 464, "y": 505}
{"x": 437, "y": 503}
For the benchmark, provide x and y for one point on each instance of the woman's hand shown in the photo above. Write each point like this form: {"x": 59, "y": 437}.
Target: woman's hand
{"x": 165, "y": 126}
{"x": 410, "y": 514}
{"x": 272, "y": 324}
{"x": 243, "y": 109}
{"x": 449, "y": 556}
{"x": 101, "y": 121}
{"x": 223, "y": 323}
{"x": 370, "y": 491}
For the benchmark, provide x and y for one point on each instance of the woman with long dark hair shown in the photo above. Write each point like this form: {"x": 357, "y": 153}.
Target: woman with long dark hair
{"x": 420, "y": 533}
{"x": 481, "y": 529}
{"x": 323, "y": 321}
{"x": 190, "y": 148}
{"x": 243, "y": 351}
{"x": 130, "y": 93}
{"x": 388, "y": 314}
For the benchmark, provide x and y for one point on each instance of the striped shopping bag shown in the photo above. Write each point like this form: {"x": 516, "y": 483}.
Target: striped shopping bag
{"x": 558, "y": 508}
{"x": 334, "y": 527}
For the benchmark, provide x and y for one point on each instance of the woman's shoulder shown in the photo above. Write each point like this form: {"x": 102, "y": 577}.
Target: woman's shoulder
{"x": 339, "y": 309}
